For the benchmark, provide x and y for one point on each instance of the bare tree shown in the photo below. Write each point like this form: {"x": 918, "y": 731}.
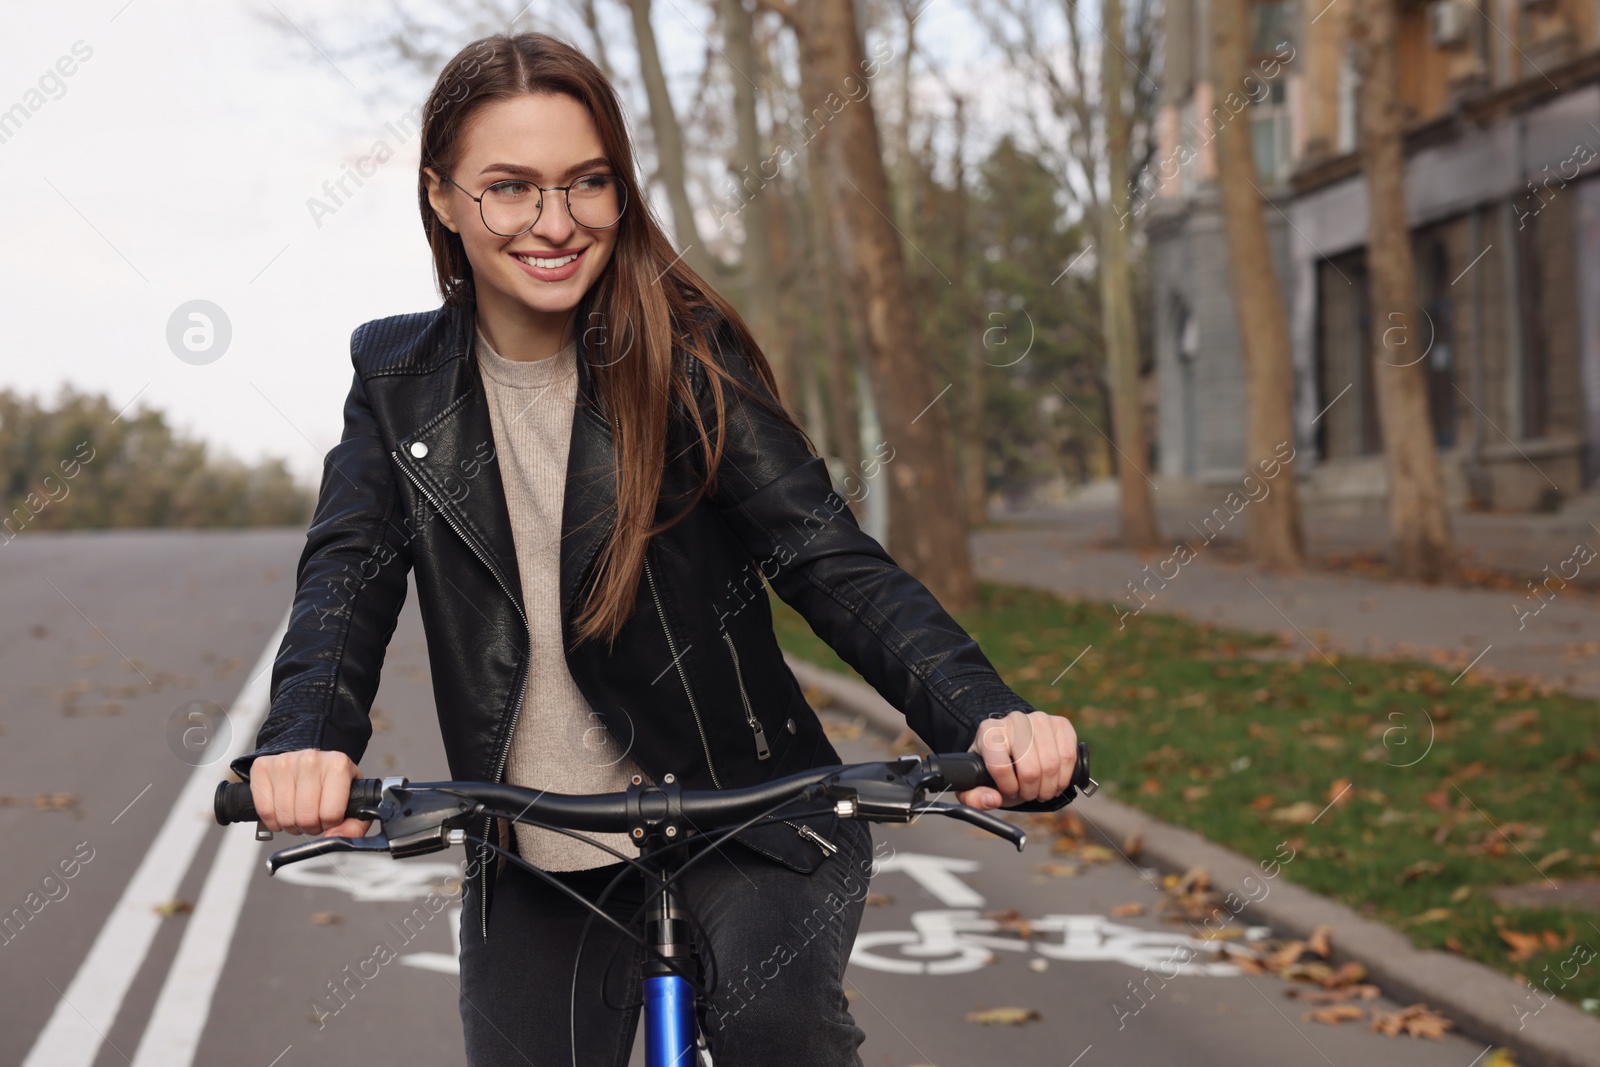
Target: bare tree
{"x": 1418, "y": 520}
{"x": 669, "y": 142}
{"x": 754, "y": 196}
{"x": 1273, "y": 531}
{"x": 1100, "y": 138}
{"x": 1135, "y": 507}
{"x": 928, "y": 534}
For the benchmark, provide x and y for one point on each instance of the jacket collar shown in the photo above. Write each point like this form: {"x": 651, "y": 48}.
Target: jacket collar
{"x": 460, "y": 472}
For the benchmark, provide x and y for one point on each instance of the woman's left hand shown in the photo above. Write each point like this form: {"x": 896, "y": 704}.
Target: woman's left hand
{"x": 1030, "y": 756}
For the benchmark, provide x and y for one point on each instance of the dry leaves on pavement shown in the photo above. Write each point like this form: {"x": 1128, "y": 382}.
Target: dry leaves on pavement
{"x": 1335, "y": 1014}
{"x": 1418, "y": 1020}
{"x": 1002, "y": 1016}
{"x": 1011, "y": 919}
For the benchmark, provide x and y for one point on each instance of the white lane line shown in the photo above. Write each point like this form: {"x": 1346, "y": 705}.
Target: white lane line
{"x": 173, "y": 1035}
{"x": 73, "y": 1040}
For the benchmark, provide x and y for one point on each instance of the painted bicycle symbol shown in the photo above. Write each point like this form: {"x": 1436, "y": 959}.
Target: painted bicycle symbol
{"x": 961, "y": 940}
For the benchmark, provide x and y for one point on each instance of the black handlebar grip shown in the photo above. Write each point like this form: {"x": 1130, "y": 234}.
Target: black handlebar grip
{"x": 234, "y": 803}
{"x": 966, "y": 770}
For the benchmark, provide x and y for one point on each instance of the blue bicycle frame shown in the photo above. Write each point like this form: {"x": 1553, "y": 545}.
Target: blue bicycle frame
{"x": 670, "y": 1026}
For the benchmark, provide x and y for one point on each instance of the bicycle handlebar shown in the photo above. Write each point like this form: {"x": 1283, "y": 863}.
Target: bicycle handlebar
{"x": 422, "y": 817}
{"x": 606, "y": 812}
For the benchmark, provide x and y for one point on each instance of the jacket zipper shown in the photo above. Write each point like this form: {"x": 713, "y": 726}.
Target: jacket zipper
{"x": 672, "y": 648}
{"x": 516, "y": 707}
{"x": 762, "y": 751}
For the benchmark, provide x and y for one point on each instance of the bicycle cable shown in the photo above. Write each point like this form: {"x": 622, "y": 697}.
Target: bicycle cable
{"x": 703, "y": 945}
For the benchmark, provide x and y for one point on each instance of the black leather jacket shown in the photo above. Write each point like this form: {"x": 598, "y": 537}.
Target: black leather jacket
{"x": 695, "y": 684}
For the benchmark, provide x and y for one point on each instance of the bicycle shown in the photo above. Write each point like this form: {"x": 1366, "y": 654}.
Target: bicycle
{"x": 662, "y": 820}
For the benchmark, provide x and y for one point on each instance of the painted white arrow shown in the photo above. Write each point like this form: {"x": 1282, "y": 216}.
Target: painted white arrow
{"x": 936, "y": 874}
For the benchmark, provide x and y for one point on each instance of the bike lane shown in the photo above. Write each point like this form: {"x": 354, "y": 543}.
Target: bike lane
{"x": 931, "y": 952}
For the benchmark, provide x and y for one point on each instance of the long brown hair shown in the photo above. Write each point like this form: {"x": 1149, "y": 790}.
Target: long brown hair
{"x": 645, "y": 286}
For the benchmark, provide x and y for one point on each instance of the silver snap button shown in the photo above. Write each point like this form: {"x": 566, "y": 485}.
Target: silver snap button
{"x": 419, "y": 449}
{"x": 789, "y": 725}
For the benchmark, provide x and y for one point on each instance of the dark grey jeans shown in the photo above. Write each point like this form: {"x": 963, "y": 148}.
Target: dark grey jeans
{"x": 781, "y": 942}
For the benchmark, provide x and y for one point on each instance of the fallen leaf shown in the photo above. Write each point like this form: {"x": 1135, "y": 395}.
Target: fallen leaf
{"x": 1299, "y": 814}
{"x": 1501, "y": 1057}
{"x": 1432, "y": 915}
{"x": 1318, "y": 942}
{"x": 1418, "y": 1020}
{"x": 327, "y": 918}
{"x": 1192, "y": 793}
{"x": 1002, "y": 1016}
{"x": 1133, "y": 845}
{"x": 1339, "y": 791}
{"x": 1096, "y": 854}
{"x": 1058, "y": 870}
{"x": 879, "y": 900}
{"x": 1560, "y": 855}
{"x": 1011, "y": 919}
{"x": 1523, "y": 946}
{"x": 1133, "y": 907}
{"x": 1460, "y": 893}
{"x": 167, "y": 909}
{"x": 1420, "y": 868}
{"x": 55, "y": 801}
{"x": 1263, "y": 802}
{"x": 1310, "y": 971}
{"x": 1335, "y": 1014}
{"x": 1246, "y": 962}
{"x": 1349, "y": 973}
{"x": 1284, "y": 956}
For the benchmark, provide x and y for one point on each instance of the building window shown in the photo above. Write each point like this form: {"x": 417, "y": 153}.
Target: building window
{"x": 1349, "y": 82}
{"x": 1270, "y": 135}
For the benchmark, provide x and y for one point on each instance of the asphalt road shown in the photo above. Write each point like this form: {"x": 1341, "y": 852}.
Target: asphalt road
{"x": 168, "y": 944}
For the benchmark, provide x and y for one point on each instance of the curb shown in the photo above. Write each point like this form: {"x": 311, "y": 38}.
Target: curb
{"x": 1482, "y": 1002}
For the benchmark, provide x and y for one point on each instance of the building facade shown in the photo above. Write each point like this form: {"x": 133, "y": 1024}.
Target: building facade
{"x": 1503, "y": 202}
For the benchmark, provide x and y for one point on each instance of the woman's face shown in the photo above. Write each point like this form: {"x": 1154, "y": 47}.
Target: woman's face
{"x": 547, "y": 139}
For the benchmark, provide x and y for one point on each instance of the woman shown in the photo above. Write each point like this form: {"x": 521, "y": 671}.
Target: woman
{"x": 582, "y": 457}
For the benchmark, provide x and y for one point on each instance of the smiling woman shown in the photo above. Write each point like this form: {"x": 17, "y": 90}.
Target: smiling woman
{"x": 641, "y": 459}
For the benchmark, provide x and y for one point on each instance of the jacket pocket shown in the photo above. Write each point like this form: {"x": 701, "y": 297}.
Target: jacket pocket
{"x": 763, "y": 751}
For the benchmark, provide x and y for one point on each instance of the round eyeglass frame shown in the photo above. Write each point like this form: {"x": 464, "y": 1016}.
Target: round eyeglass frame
{"x": 566, "y": 194}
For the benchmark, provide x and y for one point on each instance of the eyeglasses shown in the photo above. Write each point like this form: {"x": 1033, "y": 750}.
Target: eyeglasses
{"x": 512, "y": 207}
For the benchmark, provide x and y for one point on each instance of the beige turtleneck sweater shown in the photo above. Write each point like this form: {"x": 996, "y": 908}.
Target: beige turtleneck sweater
{"x": 559, "y": 742}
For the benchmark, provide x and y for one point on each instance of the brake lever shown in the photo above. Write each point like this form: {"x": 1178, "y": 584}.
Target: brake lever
{"x": 981, "y": 819}
{"x": 322, "y": 846}
{"x": 414, "y": 821}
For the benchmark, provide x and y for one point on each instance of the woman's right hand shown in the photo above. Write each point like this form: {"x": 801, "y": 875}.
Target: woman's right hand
{"x": 305, "y": 792}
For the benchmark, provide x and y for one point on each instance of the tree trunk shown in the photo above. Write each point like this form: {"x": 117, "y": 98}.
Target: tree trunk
{"x": 756, "y": 193}
{"x": 597, "y": 40}
{"x": 1272, "y": 529}
{"x": 928, "y": 534}
{"x": 844, "y": 420}
{"x": 973, "y": 451}
{"x": 1418, "y": 521}
{"x": 1137, "y": 513}
{"x": 669, "y": 142}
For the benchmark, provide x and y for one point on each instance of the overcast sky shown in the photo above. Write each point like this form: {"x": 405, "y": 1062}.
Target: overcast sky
{"x": 174, "y": 164}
